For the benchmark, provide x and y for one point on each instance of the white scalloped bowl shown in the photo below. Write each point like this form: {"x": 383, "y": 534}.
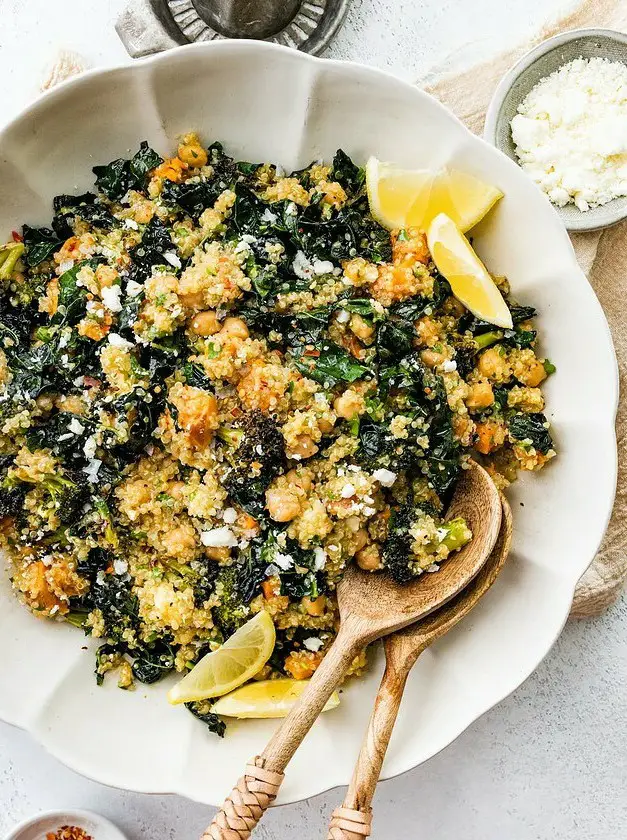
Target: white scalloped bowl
{"x": 270, "y": 103}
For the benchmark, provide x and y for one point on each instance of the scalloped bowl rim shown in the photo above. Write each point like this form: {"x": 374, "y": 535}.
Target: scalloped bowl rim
{"x": 559, "y": 611}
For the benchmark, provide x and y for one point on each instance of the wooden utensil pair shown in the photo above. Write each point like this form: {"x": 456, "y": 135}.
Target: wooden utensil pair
{"x": 371, "y": 606}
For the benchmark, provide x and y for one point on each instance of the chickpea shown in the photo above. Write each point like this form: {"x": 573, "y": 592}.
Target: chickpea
{"x": 299, "y": 479}
{"x": 205, "y": 323}
{"x": 314, "y": 606}
{"x": 353, "y": 523}
{"x": 494, "y": 366}
{"x": 71, "y": 404}
{"x": 368, "y": 558}
{"x": 235, "y": 328}
{"x": 304, "y": 447}
{"x": 193, "y": 155}
{"x": 176, "y": 489}
{"x": 349, "y": 404}
{"x": 432, "y": 358}
{"x": 361, "y": 540}
{"x": 480, "y": 396}
{"x": 454, "y": 307}
{"x": 45, "y": 402}
{"x": 283, "y": 505}
{"x": 193, "y": 300}
{"x": 180, "y": 541}
{"x": 361, "y": 328}
{"x": 325, "y": 425}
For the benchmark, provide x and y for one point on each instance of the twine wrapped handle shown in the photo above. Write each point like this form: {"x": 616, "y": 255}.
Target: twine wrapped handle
{"x": 246, "y": 804}
{"x": 349, "y": 824}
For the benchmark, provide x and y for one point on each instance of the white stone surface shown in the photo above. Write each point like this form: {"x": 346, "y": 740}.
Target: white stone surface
{"x": 551, "y": 760}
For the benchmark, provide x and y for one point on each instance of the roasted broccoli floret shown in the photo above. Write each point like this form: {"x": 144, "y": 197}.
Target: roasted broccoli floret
{"x": 231, "y": 612}
{"x": 257, "y": 455}
{"x": 69, "y": 492}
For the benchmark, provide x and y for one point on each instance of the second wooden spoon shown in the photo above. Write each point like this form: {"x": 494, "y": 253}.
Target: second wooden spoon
{"x": 352, "y": 820}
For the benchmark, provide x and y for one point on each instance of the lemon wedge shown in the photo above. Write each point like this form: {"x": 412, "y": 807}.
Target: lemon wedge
{"x": 241, "y": 657}
{"x": 401, "y": 198}
{"x": 266, "y": 699}
{"x": 470, "y": 282}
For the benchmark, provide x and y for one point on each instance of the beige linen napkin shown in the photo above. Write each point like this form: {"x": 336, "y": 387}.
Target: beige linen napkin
{"x": 602, "y": 256}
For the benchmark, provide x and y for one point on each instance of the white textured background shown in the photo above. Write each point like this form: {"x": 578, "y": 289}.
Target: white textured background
{"x": 550, "y": 761}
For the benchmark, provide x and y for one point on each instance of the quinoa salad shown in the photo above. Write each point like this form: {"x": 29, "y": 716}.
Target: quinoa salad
{"x": 219, "y": 385}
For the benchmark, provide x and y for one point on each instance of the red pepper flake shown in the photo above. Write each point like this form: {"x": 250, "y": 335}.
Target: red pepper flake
{"x": 68, "y": 832}
{"x": 17, "y": 237}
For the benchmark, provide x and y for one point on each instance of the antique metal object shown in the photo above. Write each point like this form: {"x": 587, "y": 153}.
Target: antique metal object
{"x": 149, "y": 26}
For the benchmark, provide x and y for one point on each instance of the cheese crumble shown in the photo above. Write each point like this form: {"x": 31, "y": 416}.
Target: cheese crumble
{"x": 570, "y": 133}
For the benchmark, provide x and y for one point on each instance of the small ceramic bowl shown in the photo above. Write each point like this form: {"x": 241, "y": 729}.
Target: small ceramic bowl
{"x": 49, "y": 822}
{"x": 540, "y": 62}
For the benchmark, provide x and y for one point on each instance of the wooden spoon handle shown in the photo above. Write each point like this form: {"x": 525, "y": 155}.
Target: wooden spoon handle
{"x": 259, "y": 786}
{"x": 352, "y": 821}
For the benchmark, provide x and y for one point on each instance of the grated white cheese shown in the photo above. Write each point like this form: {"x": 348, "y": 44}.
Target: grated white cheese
{"x": 76, "y": 427}
{"x": 133, "y": 288}
{"x": 570, "y": 133}
{"x": 313, "y": 643}
{"x": 218, "y": 538}
{"x": 320, "y": 558}
{"x": 118, "y": 341}
{"x": 120, "y": 567}
{"x": 173, "y": 259}
{"x": 283, "y": 561}
{"x": 384, "y": 477}
{"x": 230, "y": 516}
{"x": 111, "y": 298}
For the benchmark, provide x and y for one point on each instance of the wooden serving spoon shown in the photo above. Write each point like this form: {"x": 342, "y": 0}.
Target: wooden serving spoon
{"x": 352, "y": 820}
{"x": 371, "y": 606}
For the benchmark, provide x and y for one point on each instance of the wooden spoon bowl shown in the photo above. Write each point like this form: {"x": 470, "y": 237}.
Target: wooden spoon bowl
{"x": 371, "y": 606}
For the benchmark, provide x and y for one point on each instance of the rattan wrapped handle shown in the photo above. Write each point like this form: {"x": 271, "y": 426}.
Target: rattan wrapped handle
{"x": 348, "y": 824}
{"x": 259, "y": 786}
{"x": 246, "y": 804}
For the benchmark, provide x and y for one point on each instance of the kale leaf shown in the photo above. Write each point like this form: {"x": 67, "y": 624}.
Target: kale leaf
{"x": 116, "y": 178}
{"x": 143, "y": 161}
{"x": 397, "y": 547}
{"x": 86, "y": 207}
{"x": 347, "y": 173}
{"x": 211, "y": 721}
{"x": 333, "y": 365}
{"x": 40, "y": 244}
{"x": 191, "y": 197}
{"x": 532, "y": 429}
{"x": 155, "y": 243}
{"x": 153, "y": 662}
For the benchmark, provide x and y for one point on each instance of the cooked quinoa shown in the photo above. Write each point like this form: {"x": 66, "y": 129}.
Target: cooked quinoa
{"x": 219, "y": 385}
